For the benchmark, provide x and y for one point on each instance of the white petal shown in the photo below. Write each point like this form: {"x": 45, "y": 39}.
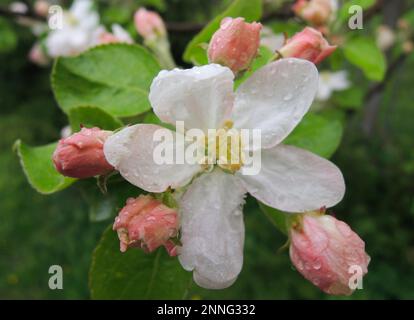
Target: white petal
{"x": 212, "y": 229}
{"x": 131, "y": 152}
{"x": 275, "y": 98}
{"x": 202, "y": 97}
{"x": 295, "y": 180}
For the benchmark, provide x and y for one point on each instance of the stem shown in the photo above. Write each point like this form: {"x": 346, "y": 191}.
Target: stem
{"x": 161, "y": 48}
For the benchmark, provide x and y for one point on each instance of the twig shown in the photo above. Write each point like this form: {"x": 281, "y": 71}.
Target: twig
{"x": 375, "y": 93}
{"x": 29, "y": 14}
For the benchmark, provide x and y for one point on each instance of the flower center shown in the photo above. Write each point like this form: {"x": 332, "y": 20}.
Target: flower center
{"x": 224, "y": 148}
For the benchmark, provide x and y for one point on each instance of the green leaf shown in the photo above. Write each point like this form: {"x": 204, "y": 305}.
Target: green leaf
{"x": 152, "y": 118}
{"x": 92, "y": 117}
{"x": 8, "y": 38}
{"x": 317, "y": 134}
{"x": 103, "y": 206}
{"x": 364, "y": 53}
{"x": 115, "y": 78}
{"x": 251, "y": 10}
{"x": 276, "y": 217}
{"x": 39, "y": 169}
{"x": 135, "y": 274}
{"x": 352, "y": 98}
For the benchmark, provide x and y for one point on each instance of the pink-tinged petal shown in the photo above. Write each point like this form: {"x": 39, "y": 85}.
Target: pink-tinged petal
{"x": 81, "y": 154}
{"x": 295, "y": 180}
{"x": 202, "y": 97}
{"x": 325, "y": 53}
{"x": 131, "y": 151}
{"x": 309, "y": 44}
{"x": 212, "y": 229}
{"x": 146, "y": 223}
{"x": 275, "y": 98}
{"x": 327, "y": 252}
{"x": 149, "y": 24}
{"x": 235, "y": 44}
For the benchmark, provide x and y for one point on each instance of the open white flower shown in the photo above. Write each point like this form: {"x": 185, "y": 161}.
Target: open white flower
{"x": 330, "y": 82}
{"x": 77, "y": 33}
{"x": 274, "y": 100}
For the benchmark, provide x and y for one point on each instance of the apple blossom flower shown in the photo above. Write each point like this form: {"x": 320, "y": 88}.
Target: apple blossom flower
{"x": 118, "y": 35}
{"x": 77, "y": 34}
{"x": 149, "y": 24}
{"x": 328, "y": 253}
{"x": 146, "y": 223}
{"x": 273, "y": 100}
{"x": 235, "y": 44}
{"x": 330, "y": 82}
{"x": 81, "y": 154}
{"x": 309, "y": 44}
{"x": 317, "y": 12}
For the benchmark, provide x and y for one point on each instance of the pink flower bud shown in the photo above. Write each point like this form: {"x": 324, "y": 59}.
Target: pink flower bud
{"x": 146, "y": 223}
{"x": 317, "y": 12}
{"x": 41, "y": 8}
{"x": 149, "y": 24}
{"x": 81, "y": 154}
{"x": 38, "y": 56}
{"x": 235, "y": 44}
{"x": 309, "y": 44}
{"x": 328, "y": 253}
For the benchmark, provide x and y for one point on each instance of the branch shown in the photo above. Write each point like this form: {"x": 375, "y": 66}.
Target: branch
{"x": 29, "y": 14}
{"x": 374, "y": 95}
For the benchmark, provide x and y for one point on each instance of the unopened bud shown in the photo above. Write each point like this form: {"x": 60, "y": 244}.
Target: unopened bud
{"x": 235, "y": 44}
{"x": 149, "y": 24}
{"x": 309, "y": 44}
{"x": 147, "y": 223}
{"x": 328, "y": 253}
{"x": 81, "y": 154}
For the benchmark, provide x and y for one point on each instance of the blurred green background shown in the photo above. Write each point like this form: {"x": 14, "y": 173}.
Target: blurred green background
{"x": 38, "y": 231}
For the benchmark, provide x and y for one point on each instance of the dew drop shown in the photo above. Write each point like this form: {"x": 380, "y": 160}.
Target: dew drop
{"x": 317, "y": 265}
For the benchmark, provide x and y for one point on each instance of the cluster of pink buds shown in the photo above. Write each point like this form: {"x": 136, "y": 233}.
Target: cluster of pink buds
{"x": 147, "y": 223}
{"x": 236, "y": 44}
{"x": 328, "y": 253}
{"x": 81, "y": 154}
